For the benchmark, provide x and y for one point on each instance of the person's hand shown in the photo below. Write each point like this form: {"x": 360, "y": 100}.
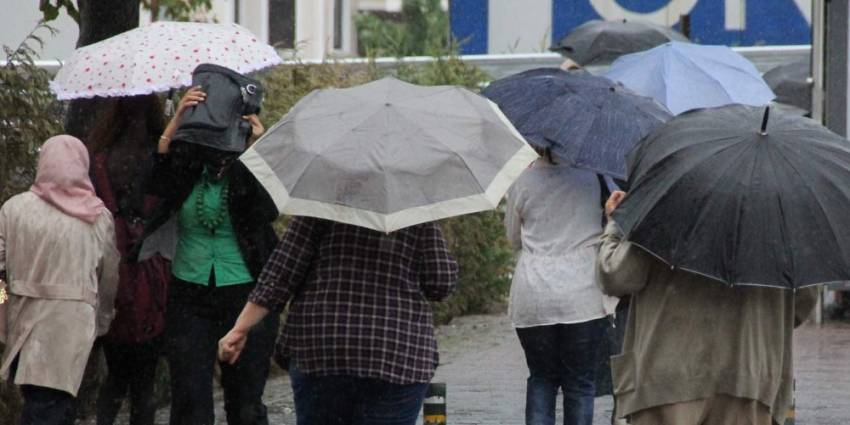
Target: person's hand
{"x": 257, "y": 128}
{"x": 230, "y": 347}
{"x": 192, "y": 97}
{"x": 614, "y": 201}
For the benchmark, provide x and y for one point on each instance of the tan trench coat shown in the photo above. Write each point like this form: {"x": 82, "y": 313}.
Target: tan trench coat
{"x": 690, "y": 338}
{"x": 62, "y": 277}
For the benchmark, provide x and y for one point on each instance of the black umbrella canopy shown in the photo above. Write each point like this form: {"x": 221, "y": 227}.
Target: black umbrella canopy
{"x": 588, "y": 121}
{"x": 713, "y": 194}
{"x": 601, "y": 42}
{"x": 792, "y": 83}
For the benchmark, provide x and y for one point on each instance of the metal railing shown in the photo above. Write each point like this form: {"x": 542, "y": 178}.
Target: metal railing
{"x": 497, "y": 66}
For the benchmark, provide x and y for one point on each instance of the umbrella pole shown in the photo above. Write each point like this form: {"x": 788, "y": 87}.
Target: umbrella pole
{"x": 764, "y": 121}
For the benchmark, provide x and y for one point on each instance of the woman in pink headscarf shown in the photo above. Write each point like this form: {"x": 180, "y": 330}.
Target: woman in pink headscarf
{"x": 57, "y": 252}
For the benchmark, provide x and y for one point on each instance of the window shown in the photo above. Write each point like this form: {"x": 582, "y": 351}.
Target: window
{"x": 282, "y": 23}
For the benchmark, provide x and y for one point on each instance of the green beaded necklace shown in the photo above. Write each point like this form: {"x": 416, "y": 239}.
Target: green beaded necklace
{"x": 211, "y": 223}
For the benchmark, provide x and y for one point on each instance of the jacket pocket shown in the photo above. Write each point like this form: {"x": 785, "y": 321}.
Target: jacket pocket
{"x": 624, "y": 372}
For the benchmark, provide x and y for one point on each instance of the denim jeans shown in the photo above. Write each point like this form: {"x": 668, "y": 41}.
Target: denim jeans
{"x": 197, "y": 317}
{"x": 344, "y": 400}
{"x": 561, "y": 356}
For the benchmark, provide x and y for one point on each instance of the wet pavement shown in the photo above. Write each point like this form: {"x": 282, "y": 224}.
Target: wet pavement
{"x": 484, "y": 368}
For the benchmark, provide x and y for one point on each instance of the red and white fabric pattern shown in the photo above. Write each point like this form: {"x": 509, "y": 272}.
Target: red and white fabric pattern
{"x": 158, "y": 57}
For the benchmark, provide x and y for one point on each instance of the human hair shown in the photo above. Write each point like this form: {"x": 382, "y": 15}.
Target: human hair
{"x": 116, "y": 115}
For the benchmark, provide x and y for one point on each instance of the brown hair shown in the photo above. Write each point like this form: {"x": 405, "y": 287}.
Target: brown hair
{"x": 115, "y": 115}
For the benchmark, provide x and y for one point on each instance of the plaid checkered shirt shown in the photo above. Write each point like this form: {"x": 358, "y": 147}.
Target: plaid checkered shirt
{"x": 359, "y": 298}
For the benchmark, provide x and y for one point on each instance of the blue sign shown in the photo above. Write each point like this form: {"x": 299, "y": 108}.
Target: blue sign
{"x": 729, "y": 22}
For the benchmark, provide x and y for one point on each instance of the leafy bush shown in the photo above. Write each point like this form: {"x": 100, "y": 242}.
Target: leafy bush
{"x": 423, "y": 30}
{"x": 29, "y": 114}
{"x": 478, "y": 241}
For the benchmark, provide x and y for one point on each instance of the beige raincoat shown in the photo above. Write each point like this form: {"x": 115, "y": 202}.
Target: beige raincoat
{"x": 62, "y": 275}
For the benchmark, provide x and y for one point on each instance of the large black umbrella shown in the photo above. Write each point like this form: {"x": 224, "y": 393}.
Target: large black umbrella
{"x": 731, "y": 195}
{"x": 792, "y": 84}
{"x": 588, "y": 121}
{"x": 601, "y": 42}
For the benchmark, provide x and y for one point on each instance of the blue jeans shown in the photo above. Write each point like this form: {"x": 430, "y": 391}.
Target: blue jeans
{"x": 327, "y": 400}
{"x": 561, "y": 356}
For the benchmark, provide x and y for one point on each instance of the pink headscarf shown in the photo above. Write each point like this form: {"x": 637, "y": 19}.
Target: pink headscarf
{"x": 63, "y": 178}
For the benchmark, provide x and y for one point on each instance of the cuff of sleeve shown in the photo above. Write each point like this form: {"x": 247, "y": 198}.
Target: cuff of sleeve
{"x": 259, "y": 297}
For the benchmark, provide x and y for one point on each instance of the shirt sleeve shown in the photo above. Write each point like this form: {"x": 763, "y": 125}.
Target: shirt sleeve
{"x": 289, "y": 264}
{"x": 621, "y": 267}
{"x": 438, "y": 271}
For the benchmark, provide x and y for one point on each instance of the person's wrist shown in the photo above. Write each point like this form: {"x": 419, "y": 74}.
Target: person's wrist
{"x": 239, "y": 331}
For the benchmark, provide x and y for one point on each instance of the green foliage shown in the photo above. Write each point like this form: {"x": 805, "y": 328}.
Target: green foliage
{"x": 423, "y": 30}
{"x": 180, "y": 10}
{"x": 477, "y": 241}
{"x": 29, "y": 114}
{"x": 50, "y": 9}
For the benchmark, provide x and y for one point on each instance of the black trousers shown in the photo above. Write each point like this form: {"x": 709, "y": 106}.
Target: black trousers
{"x": 198, "y": 316}
{"x": 45, "y": 406}
{"x": 131, "y": 368}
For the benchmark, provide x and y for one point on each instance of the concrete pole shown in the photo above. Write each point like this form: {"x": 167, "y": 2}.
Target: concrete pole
{"x": 835, "y": 58}
{"x": 818, "y": 32}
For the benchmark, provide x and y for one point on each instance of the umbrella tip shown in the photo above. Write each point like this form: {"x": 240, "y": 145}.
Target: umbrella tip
{"x": 764, "y": 120}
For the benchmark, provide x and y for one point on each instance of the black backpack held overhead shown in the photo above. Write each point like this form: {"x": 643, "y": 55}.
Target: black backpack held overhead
{"x": 217, "y": 121}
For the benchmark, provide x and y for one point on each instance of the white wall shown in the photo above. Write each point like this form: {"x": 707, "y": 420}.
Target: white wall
{"x": 519, "y": 26}
{"x": 21, "y": 16}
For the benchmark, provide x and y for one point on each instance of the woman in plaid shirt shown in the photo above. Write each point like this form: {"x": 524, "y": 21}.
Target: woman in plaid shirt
{"x": 359, "y": 338}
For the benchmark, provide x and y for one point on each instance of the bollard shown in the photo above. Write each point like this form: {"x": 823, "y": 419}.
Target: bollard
{"x": 791, "y": 417}
{"x": 434, "y": 409}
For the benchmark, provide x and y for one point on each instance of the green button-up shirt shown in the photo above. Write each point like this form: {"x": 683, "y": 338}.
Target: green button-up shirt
{"x": 201, "y": 251}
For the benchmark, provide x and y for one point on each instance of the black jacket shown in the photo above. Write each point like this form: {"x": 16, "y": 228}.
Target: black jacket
{"x": 251, "y": 209}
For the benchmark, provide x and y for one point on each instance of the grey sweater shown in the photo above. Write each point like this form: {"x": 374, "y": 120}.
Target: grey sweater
{"x": 689, "y": 337}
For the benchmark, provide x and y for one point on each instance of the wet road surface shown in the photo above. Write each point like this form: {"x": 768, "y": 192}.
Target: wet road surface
{"x": 484, "y": 368}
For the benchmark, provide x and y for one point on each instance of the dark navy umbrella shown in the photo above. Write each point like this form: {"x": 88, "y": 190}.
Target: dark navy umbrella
{"x": 743, "y": 198}
{"x": 588, "y": 121}
{"x": 600, "y": 42}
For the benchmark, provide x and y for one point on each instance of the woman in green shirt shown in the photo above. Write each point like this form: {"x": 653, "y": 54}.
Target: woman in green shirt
{"x": 216, "y": 221}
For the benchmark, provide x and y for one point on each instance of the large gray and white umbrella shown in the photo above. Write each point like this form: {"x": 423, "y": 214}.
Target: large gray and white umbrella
{"x": 388, "y": 155}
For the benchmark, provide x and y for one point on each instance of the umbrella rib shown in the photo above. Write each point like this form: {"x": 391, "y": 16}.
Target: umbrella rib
{"x": 702, "y": 213}
{"x": 809, "y": 189}
{"x": 331, "y": 145}
{"x": 437, "y": 139}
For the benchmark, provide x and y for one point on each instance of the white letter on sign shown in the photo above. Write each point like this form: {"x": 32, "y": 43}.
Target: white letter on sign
{"x": 667, "y": 15}
{"x": 736, "y": 15}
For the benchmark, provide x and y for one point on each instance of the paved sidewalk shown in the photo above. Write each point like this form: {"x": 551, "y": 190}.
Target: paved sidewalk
{"x": 483, "y": 365}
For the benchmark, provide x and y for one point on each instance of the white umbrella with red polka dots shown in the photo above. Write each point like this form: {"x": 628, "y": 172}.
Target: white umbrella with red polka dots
{"x": 158, "y": 57}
